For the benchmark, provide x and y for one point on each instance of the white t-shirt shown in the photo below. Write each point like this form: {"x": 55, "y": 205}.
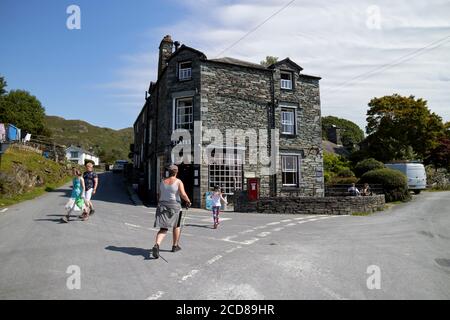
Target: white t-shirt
{"x": 216, "y": 200}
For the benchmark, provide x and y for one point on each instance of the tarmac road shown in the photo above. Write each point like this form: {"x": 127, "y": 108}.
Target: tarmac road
{"x": 250, "y": 256}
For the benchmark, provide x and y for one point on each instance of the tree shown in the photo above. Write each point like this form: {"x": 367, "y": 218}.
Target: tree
{"x": 269, "y": 61}
{"x": 3, "y": 86}
{"x": 440, "y": 155}
{"x": 401, "y": 127}
{"x": 351, "y": 133}
{"x": 23, "y": 110}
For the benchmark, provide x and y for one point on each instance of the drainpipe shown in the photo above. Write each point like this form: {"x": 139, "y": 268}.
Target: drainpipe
{"x": 272, "y": 126}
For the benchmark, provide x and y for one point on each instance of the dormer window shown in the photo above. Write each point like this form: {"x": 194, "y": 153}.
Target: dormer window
{"x": 286, "y": 80}
{"x": 185, "y": 70}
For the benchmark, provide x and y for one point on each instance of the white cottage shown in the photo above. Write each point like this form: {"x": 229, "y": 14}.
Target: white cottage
{"x": 80, "y": 156}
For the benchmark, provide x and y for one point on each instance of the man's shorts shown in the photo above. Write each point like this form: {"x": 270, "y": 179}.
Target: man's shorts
{"x": 88, "y": 194}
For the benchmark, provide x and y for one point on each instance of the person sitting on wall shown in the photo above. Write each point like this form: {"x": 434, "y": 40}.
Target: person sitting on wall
{"x": 353, "y": 190}
{"x": 366, "y": 190}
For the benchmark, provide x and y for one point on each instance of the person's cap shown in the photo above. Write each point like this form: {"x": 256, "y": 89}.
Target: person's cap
{"x": 172, "y": 167}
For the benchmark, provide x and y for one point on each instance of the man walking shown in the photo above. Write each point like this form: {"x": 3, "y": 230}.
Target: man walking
{"x": 91, "y": 183}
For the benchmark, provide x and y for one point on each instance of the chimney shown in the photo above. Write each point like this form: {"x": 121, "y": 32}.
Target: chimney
{"x": 334, "y": 135}
{"x": 177, "y": 45}
{"x": 165, "y": 50}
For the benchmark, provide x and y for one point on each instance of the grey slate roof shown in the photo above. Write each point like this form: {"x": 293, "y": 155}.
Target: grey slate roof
{"x": 238, "y": 62}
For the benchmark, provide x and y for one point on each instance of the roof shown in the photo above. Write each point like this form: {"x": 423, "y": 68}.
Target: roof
{"x": 238, "y": 62}
{"x": 288, "y": 61}
{"x": 81, "y": 150}
{"x": 184, "y": 47}
{"x": 331, "y": 147}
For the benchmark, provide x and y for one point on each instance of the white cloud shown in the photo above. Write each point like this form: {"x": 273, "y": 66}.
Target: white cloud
{"x": 329, "y": 39}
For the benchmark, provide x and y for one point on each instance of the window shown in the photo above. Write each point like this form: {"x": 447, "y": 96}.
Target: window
{"x": 225, "y": 170}
{"x": 290, "y": 172}
{"x": 288, "y": 121}
{"x": 286, "y": 80}
{"x": 74, "y": 154}
{"x": 184, "y": 114}
{"x": 185, "y": 70}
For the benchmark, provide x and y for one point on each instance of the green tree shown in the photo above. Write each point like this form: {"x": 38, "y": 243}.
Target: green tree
{"x": 440, "y": 155}
{"x": 401, "y": 128}
{"x": 351, "y": 133}
{"x": 3, "y": 86}
{"x": 23, "y": 110}
{"x": 269, "y": 61}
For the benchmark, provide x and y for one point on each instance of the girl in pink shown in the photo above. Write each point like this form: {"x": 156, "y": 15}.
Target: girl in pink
{"x": 217, "y": 200}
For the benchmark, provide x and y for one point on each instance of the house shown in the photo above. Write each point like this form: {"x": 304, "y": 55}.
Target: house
{"x": 78, "y": 155}
{"x": 214, "y": 117}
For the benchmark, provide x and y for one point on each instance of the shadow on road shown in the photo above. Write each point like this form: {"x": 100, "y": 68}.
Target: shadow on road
{"x": 58, "y": 218}
{"x": 133, "y": 251}
{"x": 206, "y": 226}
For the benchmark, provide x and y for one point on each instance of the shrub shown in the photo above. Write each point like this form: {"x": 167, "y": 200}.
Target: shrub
{"x": 345, "y": 173}
{"x": 343, "y": 180}
{"x": 394, "y": 183}
{"x": 367, "y": 165}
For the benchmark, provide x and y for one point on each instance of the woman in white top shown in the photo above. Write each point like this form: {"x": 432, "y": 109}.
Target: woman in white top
{"x": 168, "y": 212}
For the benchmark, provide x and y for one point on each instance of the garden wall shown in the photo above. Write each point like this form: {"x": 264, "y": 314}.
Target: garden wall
{"x": 311, "y": 205}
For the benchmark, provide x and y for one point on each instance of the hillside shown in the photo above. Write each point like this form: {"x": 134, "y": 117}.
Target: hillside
{"x": 26, "y": 174}
{"x": 107, "y": 143}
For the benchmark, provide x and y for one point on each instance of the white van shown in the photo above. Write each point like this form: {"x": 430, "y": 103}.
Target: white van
{"x": 414, "y": 172}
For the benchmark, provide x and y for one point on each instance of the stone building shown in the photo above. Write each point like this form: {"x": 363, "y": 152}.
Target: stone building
{"x": 273, "y": 113}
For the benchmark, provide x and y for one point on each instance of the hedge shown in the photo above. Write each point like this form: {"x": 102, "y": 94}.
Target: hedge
{"x": 367, "y": 165}
{"x": 394, "y": 183}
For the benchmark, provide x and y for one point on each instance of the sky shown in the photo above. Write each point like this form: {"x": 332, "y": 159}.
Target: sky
{"x": 100, "y": 72}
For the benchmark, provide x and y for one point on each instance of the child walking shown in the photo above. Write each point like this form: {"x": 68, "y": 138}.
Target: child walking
{"x": 217, "y": 200}
{"x": 76, "y": 201}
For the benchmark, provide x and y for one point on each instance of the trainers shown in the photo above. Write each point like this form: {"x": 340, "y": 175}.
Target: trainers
{"x": 65, "y": 219}
{"x": 155, "y": 251}
{"x": 91, "y": 212}
{"x": 176, "y": 248}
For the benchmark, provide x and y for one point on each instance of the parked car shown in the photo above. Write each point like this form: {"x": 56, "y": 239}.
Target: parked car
{"x": 414, "y": 172}
{"x": 119, "y": 165}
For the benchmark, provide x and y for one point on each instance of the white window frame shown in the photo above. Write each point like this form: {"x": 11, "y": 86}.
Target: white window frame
{"x": 286, "y": 84}
{"x": 72, "y": 154}
{"x": 226, "y": 169}
{"x": 294, "y": 111}
{"x": 184, "y": 73}
{"x": 298, "y": 166}
{"x": 175, "y": 112}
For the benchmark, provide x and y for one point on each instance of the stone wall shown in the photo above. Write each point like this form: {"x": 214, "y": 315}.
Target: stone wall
{"x": 311, "y": 205}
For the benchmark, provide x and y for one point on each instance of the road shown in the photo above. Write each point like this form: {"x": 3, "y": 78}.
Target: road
{"x": 250, "y": 256}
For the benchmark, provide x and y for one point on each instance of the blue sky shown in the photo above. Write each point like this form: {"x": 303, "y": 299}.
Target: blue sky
{"x": 100, "y": 73}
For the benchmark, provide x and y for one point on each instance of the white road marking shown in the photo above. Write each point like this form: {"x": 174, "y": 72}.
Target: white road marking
{"x": 315, "y": 219}
{"x": 286, "y": 220}
{"x": 4, "y": 210}
{"x": 211, "y": 261}
{"x": 263, "y": 234}
{"x": 189, "y": 275}
{"x": 290, "y": 224}
{"x": 273, "y": 223}
{"x": 132, "y": 225}
{"x": 233, "y": 249}
{"x": 301, "y": 218}
{"x": 248, "y": 242}
{"x": 156, "y": 296}
{"x": 278, "y": 229}
{"x": 259, "y": 227}
{"x": 246, "y": 231}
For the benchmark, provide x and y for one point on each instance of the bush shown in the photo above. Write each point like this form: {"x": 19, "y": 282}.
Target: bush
{"x": 367, "y": 165}
{"x": 343, "y": 180}
{"x": 395, "y": 184}
{"x": 345, "y": 173}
